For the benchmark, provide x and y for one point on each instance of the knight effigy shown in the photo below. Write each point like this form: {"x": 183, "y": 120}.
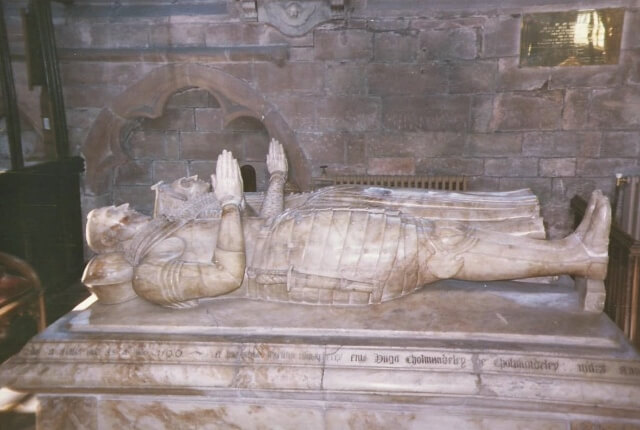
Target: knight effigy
{"x": 340, "y": 245}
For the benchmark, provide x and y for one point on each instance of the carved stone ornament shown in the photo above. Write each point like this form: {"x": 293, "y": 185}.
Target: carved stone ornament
{"x": 298, "y": 17}
{"x": 249, "y": 9}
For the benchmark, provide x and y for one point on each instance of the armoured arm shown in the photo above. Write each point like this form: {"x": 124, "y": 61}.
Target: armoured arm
{"x": 273, "y": 203}
{"x": 169, "y": 281}
{"x": 229, "y": 254}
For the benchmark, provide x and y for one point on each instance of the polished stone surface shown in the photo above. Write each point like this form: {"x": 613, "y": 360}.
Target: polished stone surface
{"x": 456, "y": 355}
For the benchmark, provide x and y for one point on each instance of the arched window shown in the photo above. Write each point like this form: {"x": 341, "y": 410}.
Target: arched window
{"x": 248, "y": 178}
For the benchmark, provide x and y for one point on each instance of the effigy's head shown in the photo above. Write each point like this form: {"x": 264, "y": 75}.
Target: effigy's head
{"x": 190, "y": 187}
{"x": 109, "y": 226}
{"x": 185, "y": 198}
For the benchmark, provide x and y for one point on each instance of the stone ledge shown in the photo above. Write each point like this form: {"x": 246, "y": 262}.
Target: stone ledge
{"x": 143, "y": 9}
{"x": 276, "y": 53}
{"x": 547, "y": 313}
{"x": 391, "y": 371}
{"x": 410, "y": 8}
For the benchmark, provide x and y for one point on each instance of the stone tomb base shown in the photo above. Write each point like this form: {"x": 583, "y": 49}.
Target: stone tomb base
{"x": 456, "y": 355}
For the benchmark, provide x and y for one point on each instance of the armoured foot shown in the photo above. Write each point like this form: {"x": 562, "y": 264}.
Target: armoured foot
{"x": 594, "y": 236}
{"x": 588, "y": 214}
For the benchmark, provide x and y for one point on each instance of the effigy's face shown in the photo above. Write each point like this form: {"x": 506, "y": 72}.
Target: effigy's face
{"x": 191, "y": 187}
{"x": 112, "y": 224}
{"x": 122, "y": 215}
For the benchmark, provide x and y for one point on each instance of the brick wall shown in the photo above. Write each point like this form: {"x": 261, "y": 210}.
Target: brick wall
{"x": 400, "y": 87}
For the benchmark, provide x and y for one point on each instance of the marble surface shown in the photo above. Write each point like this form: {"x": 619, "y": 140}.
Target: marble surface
{"x": 502, "y": 312}
{"x": 458, "y": 355}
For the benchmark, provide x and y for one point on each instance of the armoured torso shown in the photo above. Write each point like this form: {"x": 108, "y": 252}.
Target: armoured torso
{"x": 338, "y": 256}
{"x": 365, "y": 245}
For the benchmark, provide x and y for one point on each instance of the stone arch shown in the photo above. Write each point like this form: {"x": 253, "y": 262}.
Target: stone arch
{"x": 147, "y": 98}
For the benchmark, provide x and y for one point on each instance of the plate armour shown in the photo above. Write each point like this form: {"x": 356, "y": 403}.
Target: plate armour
{"x": 352, "y": 256}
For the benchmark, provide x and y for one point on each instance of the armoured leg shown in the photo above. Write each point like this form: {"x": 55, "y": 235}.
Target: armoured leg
{"x": 583, "y": 253}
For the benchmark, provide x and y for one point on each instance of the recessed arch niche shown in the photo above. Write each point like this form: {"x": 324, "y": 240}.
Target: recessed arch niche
{"x": 103, "y": 148}
{"x": 249, "y": 178}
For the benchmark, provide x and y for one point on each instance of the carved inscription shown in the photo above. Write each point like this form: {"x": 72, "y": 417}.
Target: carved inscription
{"x": 316, "y": 355}
{"x": 176, "y": 352}
{"x": 425, "y": 359}
{"x": 444, "y": 359}
{"x": 268, "y": 355}
{"x": 526, "y": 364}
{"x": 358, "y": 358}
{"x": 310, "y": 356}
{"x": 333, "y": 355}
{"x": 558, "y": 366}
{"x": 386, "y": 358}
{"x": 264, "y": 353}
{"x": 173, "y": 352}
{"x": 126, "y": 351}
{"x": 595, "y": 368}
{"x": 629, "y": 370}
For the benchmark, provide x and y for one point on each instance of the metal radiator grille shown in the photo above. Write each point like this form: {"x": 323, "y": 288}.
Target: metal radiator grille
{"x": 451, "y": 183}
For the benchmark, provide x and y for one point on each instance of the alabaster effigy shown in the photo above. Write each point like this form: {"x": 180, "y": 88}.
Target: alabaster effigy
{"x": 346, "y": 308}
{"x": 343, "y": 245}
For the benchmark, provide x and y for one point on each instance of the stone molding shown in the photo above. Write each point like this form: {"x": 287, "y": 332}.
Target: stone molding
{"x": 275, "y": 53}
{"x": 591, "y": 385}
{"x": 146, "y": 98}
{"x": 412, "y": 8}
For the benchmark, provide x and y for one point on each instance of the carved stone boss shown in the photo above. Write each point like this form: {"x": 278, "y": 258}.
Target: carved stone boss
{"x": 293, "y": 17}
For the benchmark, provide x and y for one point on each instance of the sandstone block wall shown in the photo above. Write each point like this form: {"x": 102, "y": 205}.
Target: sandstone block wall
{"x": 398, "y": 87}
{"x": 185, "y": 141}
